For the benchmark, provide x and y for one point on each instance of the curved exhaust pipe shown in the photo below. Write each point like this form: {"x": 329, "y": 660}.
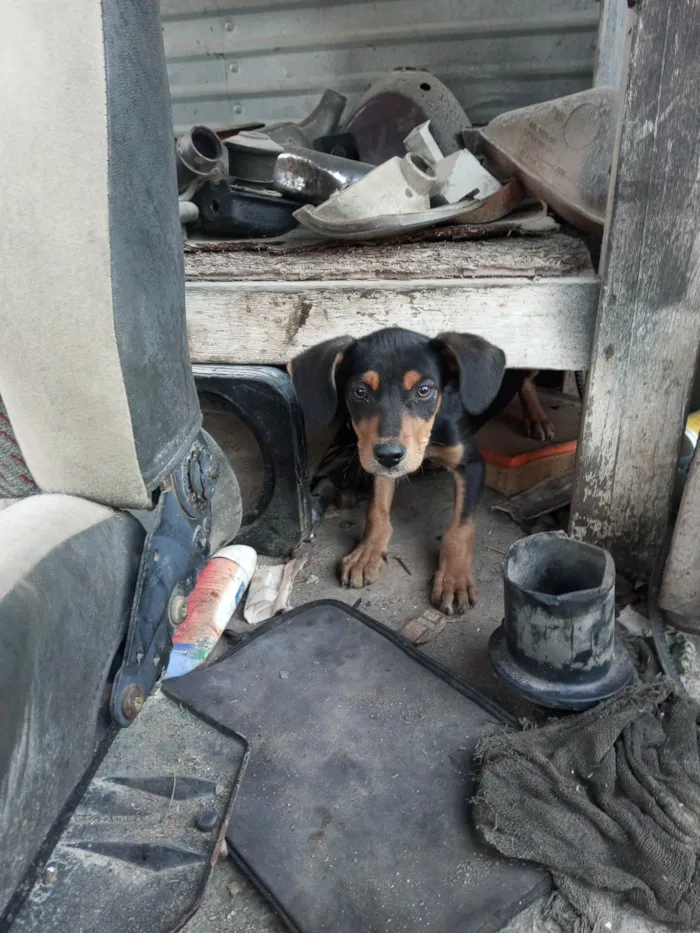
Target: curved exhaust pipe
{"x": 198, "y": 155}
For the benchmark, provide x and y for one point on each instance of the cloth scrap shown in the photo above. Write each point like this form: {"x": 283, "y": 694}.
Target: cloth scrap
{"x": 608, "y": 800}
{"x": 271, "y": 588}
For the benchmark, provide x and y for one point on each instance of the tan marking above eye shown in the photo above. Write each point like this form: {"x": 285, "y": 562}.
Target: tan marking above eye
{"x": 411, "y": 379}
{"x": 371, "y": 379}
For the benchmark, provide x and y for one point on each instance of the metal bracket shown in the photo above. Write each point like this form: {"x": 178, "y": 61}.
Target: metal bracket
{"x": 176, "y": 549}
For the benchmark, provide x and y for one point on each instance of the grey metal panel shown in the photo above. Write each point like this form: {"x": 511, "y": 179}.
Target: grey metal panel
{"x": 237, "y": 60}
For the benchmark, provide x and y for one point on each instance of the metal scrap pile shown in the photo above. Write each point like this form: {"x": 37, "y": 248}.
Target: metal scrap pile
{"x": 405, "y": 159}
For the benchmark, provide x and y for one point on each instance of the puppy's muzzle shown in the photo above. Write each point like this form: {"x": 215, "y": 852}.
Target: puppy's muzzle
{"x": 389, "y": 454}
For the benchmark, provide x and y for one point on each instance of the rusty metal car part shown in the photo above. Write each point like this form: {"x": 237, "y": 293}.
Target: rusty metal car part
{"x": 312, "y": 177}
{"x": 251, "y": 157}
{"x": 471, "y": 140}
{"x": 376, "y": 228}
{"x": 252, "y": 153}
{"x": 557, "y": 642}
{"x": 228, "y": 209}
{"x": 457, "y": 175}
{"x": 176, "y": 549}
{"x": 561, "y": 150}
{"x": 399, "y": 186}
{"x": 199, "y": 155}
{"x": 322, "y": 121}
{"x": 343, "y": 145}
{"x": 496, "y": 206}
{"x": 237, "y": 128}
{"x": 502, "y": 214}
{"x": 396, "y": 104}
{"x": 474, "y": 213}
{"x": 422, "y": 142}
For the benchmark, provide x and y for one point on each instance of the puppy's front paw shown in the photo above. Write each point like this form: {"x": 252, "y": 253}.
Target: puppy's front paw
{"x": 454, "y": 590}
{"x": 541, "y": 429}
{"x": 362, "y": 566}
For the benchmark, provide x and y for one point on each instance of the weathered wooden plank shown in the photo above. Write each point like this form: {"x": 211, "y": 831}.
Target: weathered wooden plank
{"x": 648, "y": 323}
{"x": 610, "y": 47}
{"x": 551, "y": 256}
{"x": 545, "y": 324}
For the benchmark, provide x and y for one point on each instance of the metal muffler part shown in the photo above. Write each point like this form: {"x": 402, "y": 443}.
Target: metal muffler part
{"x": 312, "y": 177}
{"x": 199, "y": 154}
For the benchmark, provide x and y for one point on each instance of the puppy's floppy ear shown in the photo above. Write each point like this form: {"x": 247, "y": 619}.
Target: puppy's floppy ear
{"x": 478, "y": 364}
{"x": 313, "y": 375}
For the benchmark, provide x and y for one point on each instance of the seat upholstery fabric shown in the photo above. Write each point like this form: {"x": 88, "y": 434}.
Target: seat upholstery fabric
{"x": 67, "y": 579}
{"x": 94, "y": 367}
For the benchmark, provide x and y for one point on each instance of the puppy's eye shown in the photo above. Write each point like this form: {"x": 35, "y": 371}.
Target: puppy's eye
{"x": 425, "y": 391}
{"x": 360, "y": 393}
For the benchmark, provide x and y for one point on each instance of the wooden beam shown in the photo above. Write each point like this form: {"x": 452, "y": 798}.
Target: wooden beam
{"x": 536, "y": 297}
{"x": 550, "y": 256}
{"x": 610, "y": 48}
{"x": 648, "y": 324}
{"x": 545, "y": 324}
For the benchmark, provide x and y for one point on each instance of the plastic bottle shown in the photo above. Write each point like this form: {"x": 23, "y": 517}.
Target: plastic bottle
{"x": 692, "y": 427}
{"x": 219, "y": 589}
{"x": 688, "y": 444}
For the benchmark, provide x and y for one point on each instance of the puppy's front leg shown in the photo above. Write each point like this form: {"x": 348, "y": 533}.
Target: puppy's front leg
{"x": 454, "y": 589}
{"x": 362, "y": 566}
{"x": 537, "y": 422}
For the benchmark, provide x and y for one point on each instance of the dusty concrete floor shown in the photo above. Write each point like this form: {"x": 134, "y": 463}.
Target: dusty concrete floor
{"x": 421, "y": 513}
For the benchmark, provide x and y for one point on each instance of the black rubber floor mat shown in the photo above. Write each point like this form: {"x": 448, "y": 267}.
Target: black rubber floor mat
{"x": 136, "y": 854}
{"x": 351, "y": 810}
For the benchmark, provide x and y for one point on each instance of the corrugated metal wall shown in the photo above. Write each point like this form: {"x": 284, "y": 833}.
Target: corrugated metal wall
{"x": 237, "y": 60}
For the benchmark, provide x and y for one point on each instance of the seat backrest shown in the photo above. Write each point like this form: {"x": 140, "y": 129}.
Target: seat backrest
{"x": 94, "y": 366}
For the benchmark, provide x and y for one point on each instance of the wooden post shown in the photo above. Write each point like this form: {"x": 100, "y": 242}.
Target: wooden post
{"x": 648, "y": 323}
{"x": 610, "y": 47}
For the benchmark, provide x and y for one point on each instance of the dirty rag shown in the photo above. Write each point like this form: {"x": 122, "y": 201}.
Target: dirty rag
{"x": 271, "y": 589}
{"x": 608, "y": 800}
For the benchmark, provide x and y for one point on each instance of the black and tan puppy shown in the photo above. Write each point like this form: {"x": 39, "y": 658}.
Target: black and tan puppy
{"x": 410, "y": 397}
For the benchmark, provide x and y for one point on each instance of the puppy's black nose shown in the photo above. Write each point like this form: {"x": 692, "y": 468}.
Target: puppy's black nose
{"x": 389, "y": 455}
